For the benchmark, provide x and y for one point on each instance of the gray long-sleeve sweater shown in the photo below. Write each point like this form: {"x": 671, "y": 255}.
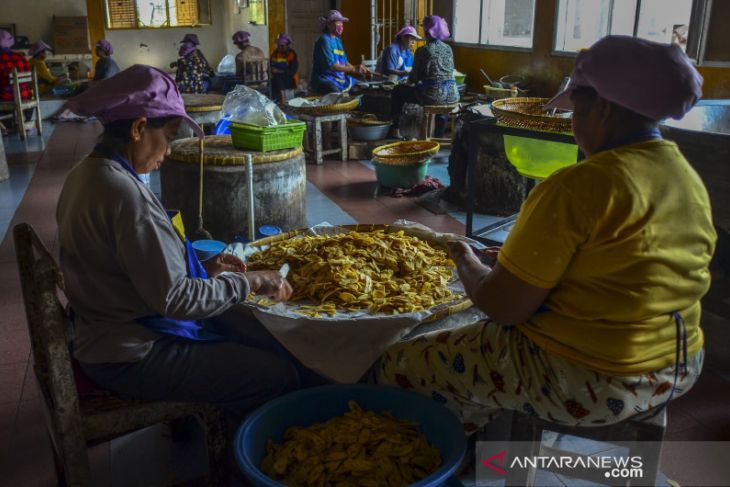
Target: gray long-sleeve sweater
{"x": 122, "y": 260}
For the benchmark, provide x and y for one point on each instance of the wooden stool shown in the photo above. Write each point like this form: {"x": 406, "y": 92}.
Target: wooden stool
{"x": 314, "y": 139}
{"x": 640, "y": 428}
{"x": 429, "y": 119}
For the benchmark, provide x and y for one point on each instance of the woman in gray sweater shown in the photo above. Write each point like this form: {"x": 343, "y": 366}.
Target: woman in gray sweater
{"x": 150, "y": 321}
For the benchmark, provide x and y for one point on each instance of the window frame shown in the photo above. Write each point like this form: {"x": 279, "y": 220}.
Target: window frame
{"x": 696, "y": 41}
{"x": 162, "y": 27}
{"x": 496, "y": 47}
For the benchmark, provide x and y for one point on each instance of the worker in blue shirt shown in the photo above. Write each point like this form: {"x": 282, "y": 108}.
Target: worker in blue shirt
{"x": 331, "y": 72}
{"x": 397, "y": 58}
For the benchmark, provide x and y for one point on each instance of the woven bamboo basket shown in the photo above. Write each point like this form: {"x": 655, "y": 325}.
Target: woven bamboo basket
{"x": 410, "y": 152}
{"x": 333, "y": 109}
{"x": 529, "y": 113}
{"x": 439, "y": 311}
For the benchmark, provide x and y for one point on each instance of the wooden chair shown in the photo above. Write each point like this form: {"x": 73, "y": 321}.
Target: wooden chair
{"x": 643, "y": 432}
{"x": 429, "y": 121}
{"x": 18, "y": 105}
{"x": 257, "y": 75}
{"x": 76, "y": 422}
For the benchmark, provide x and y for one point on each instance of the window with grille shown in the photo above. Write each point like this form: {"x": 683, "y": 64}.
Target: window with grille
{"x": 507, "y": 23}
{"x": 257, "y": 12}
{"x": 140, "y": 14}
{"x": 695, "y": 25}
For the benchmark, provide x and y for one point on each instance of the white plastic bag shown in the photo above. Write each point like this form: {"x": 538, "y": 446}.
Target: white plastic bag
{"x": 246, "y": 105}
{"x": 227, "y": 65}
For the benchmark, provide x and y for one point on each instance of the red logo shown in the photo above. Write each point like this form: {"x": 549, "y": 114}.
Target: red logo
{"x": 500, "y": 456}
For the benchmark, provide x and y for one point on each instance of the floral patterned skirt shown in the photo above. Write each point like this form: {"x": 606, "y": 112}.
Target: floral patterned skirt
{"x": 480, "y": 369}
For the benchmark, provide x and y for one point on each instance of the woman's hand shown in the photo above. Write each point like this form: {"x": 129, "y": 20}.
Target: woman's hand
{"x": 223, "y": 263}
{"x": 462, "y": 253}
{"x": 270, "y": 284}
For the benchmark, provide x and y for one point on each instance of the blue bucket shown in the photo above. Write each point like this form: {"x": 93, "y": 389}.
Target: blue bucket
{"x": 207, "y": 249}
{"x": 267, "y": 231}
{"x": 316, "y": 405}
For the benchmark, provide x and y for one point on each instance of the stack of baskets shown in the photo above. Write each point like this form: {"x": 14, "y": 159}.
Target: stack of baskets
{"x": 529, "y": 113}
{"x": 403, "y": 164}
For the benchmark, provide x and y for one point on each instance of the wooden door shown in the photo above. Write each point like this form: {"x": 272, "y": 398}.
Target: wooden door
{"x": 302, "y": 24}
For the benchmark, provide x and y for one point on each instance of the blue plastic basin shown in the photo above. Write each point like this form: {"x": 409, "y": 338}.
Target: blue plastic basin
{"x": 316, "y": 405}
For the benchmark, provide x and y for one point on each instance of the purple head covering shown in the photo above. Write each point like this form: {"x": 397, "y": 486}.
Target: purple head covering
{"x": 38, "y": 48}
{"x": 186, "y": 48}
{"x": 332, "y": 16}
{"x": 105, "y": 46}
{"x": 139, "y": 91}
{"x": 283, "y": 38}
{"x": 191, "y": 38}
{"x": 652, "y": 79}
{"x": 408, "y": 30}
{"x": 436, "y": 27}
{"x": 6, "y": 39}
{"x": 241, "y": 36}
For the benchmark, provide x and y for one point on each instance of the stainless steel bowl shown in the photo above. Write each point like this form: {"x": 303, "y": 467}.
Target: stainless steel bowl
{"x": 369, "y": 132}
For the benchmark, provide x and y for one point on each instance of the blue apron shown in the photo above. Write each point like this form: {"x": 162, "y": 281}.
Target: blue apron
{"x": 191, "y": 330}
{"x": 342, "y": 81}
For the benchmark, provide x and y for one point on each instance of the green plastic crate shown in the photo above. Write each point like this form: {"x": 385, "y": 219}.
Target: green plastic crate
{"x": 265, "y": 139}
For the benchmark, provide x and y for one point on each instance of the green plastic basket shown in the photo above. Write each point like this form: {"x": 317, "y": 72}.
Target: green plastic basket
{"x": 265, "y": 139}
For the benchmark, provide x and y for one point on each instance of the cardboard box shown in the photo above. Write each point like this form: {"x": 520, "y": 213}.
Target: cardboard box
{"x": 71, "y": 35}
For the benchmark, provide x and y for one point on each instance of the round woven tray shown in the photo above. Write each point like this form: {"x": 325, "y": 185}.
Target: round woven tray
{"x": 202, "y": 102}
{"x": 410, "y": 152}
{"x": 219, "y": 151}
{"x": 528, "y": 113}
{"x": 324, "y": 109}
{"x": 439, "y": 311}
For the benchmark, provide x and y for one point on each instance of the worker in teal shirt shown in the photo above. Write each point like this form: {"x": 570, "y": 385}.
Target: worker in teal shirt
{"x": 331, "y": 72}
{"x": 397, "y": 58}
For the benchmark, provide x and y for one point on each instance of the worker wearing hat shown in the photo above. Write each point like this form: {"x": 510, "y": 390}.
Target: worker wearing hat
{"x": 594, "y": 299}
{"x": 284, "y": 66}
{"x": 46, "y": 80}
{"x": 331, "y": 71}
{"x": 397, "y": 58}
{"x": 143, "y": 304}
{"x": 8, "y": 61}
{"x": 247, "y": 60}
{"x": 105, "y": 67}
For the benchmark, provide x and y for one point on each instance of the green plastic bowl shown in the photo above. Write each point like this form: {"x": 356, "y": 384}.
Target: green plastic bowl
{"x": 400, "y": 176}
{"x": 538, "y": 159}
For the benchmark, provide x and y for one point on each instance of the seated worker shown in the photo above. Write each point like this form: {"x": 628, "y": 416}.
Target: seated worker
{"x": 105, "y": 67}
{"x": 431, "y": 81}
{"x": 284, "y": 66}
{"x": 397, "y": 58}
{"x": 594, "y": 299}
{"x": 193, "y": 71}
{"x": 46, "y": 80}
{"x": 331, "y": 72}
{"x": 248, "y": 56}
{"x": 193, "y": 39}
{"x": 9, "y": 60}
{"x": 150, "y": 321}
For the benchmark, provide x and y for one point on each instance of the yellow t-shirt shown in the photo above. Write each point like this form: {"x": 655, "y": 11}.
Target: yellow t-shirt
{"x": 44, "y": 74}
{"x": 622, "y": 239}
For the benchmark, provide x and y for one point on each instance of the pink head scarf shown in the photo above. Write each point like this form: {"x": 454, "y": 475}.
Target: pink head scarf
{"x": 38, "y": 48}
{"x": 436, "y": 27}
{"x": 652, "y": 79}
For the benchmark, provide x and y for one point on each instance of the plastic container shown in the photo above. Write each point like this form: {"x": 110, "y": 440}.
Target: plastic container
{"x": 263, "y": 139}
{"x": 207, "y": 249}
{"x": 400, "y": 175}
{"x": 267, "y": 231}
{"x": 368, "y": 132}
{"x": 316, "y": 405}
{"x": 538, "y": 159}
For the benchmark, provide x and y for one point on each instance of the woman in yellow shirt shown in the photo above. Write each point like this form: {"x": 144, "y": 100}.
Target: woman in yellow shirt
{"x": 46, "y": 80}
{"x": 594, "y": 300}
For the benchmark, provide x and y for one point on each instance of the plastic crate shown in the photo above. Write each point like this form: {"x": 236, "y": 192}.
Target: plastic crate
{"x": 265, "y": 139}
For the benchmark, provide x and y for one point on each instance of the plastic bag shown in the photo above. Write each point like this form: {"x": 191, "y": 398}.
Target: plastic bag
{"x": 227, "y": 65}
{"x": 246, "y": 105}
